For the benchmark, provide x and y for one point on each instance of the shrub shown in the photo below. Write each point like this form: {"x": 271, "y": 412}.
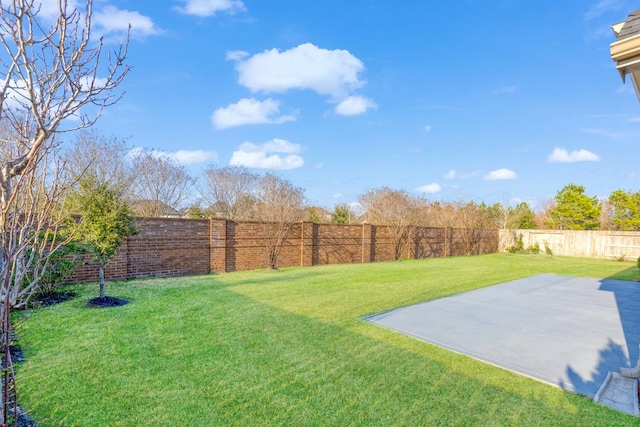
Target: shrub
{"x": 60, "y": 266}
{"x": 534, "y": 249}
{"x": 518, "y": 245}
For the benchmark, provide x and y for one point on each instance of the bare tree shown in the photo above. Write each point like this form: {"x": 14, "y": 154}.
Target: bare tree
{"x": 471, "y": 220}
{"x": 229, "y": 191}
{"x": 399, "y": 211}
{"x": 279, "y": 206}
{"x": 543, "y": 216}
{"x": 160, "y": 186}
{"x": 52, "y": 71}
{"x": 441, "y": 215}
{"x": 99, "y": 158}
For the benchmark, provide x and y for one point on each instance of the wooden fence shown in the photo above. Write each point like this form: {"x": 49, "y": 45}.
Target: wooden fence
{"x": 615, "y": 245}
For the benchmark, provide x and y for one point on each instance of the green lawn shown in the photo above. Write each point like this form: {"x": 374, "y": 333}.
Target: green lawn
{"x": 286, "y": 348}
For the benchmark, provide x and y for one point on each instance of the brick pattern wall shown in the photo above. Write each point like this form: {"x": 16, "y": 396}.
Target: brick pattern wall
{"x": 163, "y": 247}
{"x": 176, "y": 247}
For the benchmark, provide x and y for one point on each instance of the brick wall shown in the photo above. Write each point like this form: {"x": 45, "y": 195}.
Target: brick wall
{"x": 163, "y": 247}
{"x": 176, "y": 247}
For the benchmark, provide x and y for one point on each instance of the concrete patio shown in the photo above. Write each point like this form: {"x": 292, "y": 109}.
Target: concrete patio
{"x": 566, "y": 331}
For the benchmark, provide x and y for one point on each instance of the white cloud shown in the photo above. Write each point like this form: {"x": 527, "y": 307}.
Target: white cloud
{"x": 450, "y": 175}
{"x": 327, "y": 72}
{"x": 86, "y": 83}
{"x": 611, "y": 134}
{"x": 430, "y": 188}
{"x": 184, "y": 157}
{"x": 210, "y": 7}
{"x": 16, "y": 95}
{"x": 256, "y": 156}
{"x": 109, "y": 21}
{"x": 603, "y": 6}
{"x": 236, "y": 55}
{"x": 427, "y": 129}
{"x": 49, "y": 9}
{"x": 501, "y": 174}
{"x": 560, "y": 155}
{"x": 249, "y": 112}
{"x": 113, "y": 21}
{"x": 454, "y": 174}
{"x": 354, "y": 105}
{"x": 276, "y": 145}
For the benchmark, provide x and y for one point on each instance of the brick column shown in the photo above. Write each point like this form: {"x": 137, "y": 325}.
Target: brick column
{"x": 366, "y": 242}
{"x": 217, "y": 245}
{"x": 448, "y": 241}
{"x": 306, "y": 244}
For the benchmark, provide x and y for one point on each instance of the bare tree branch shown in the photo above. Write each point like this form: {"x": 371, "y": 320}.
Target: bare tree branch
{"x": 229, "y": 191}
{"x": 55, "y": 79}
{"x": 159, "y": 185}
{"x": 279, "y": 206}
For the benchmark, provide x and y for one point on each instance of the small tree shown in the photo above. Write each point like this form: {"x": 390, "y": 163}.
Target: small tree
{"x": 342, "y": 214}
{"x": 279, "y": 206}
{"x": 195, "y": 211}
{"x": 105, "y": 223}
{"x": 312, "y": 215}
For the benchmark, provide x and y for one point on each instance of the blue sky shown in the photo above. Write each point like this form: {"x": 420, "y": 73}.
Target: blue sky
{"x": 484, "y": 100}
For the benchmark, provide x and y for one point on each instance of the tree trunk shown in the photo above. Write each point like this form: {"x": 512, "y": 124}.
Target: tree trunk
{"x": 101, "y": 274}
{"x": 8, "y": 395}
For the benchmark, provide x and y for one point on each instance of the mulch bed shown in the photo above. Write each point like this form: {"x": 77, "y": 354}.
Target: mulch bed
{"x": 105, "y": 302}
{"x": 45, "y": 300}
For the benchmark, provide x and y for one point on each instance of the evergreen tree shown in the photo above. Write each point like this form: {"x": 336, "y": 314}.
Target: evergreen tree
{"x": 625, "y": 210}
{"x": 575, "y": 210}
{"x": 106, "y": 221}
{"x": 522, "y": 217}
{"x": 342, "y": 214}
{"x": 312, "y": 215}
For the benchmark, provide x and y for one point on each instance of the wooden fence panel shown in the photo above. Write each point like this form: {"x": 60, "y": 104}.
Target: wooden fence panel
{"x": 616, "y": 245}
